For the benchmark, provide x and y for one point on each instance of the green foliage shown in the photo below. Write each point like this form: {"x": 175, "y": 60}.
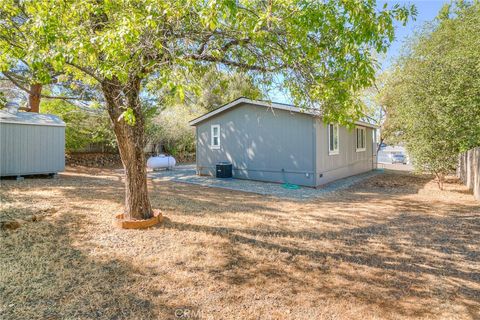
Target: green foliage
{"x": 433, "y": 95}
{"x": 218, "y": 88}
{"x": 82, "y": 128}
{"x": 324, "y": 51}
{"x": 213, "y": 88}
{"x": 170, "y": 129}
{"x": 3, "y": 100}
{"x": 128, "y": 116}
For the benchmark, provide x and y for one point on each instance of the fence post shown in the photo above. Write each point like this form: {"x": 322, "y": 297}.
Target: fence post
{"x": 476, "y": 182}
{"x": 461, "y": 166}
{"x": 469, "y": 177}
{"x": 468, "y": 170}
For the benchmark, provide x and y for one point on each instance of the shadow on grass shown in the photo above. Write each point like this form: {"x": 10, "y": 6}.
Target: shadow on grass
{"x": 44, "y": 275}
{"x": 436, "y": 234}
{"x": 85, "y": 184}
{"x": 418, "y": 247}
{"x": 426, "y": 252}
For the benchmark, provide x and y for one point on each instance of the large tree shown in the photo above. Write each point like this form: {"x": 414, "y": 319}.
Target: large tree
{"x": 33, "y": 76}
{"x": 217, "y": 87}
{"x": 322, "y": 50}
{"x": 432, "y": 96}
{"x": 168, "y": 127}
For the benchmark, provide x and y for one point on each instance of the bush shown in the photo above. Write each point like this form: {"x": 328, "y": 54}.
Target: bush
{"x": 82, "y": 127}
{"x": 170, "y": 129}
{"x": 432, "y": 97}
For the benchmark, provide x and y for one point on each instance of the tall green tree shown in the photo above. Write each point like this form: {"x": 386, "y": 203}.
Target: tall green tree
{"x": 209, "y": 90}
{"x": 218, "y": 88}
{"x": 25, "y": 76}
{"x": 432, "y": 97}
{"x": 30, "y": 74}
{"x": 322, "y": 49}
{"x": 83, "y": 127}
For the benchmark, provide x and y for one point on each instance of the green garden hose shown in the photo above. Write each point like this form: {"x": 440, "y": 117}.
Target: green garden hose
{"x": 290, "y": 186}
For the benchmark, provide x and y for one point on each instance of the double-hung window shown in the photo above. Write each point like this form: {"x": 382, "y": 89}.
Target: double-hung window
{"x": 215, "y": 136}
{"x": 333, "y": 139}
{"x": 361, "y": 139}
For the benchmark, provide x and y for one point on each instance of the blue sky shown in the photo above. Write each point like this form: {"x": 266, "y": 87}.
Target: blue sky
{"x": 427, "y": 10}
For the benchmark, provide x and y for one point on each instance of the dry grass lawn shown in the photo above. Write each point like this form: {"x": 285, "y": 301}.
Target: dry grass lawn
{"x": 392, "y": 247}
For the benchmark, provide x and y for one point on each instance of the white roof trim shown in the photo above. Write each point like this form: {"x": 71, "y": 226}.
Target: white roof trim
{"x": 30, "y": 118}
{"x": 34, "y": 124}
{"x": 366, "y": 124}
{"x": 267, "y": 104}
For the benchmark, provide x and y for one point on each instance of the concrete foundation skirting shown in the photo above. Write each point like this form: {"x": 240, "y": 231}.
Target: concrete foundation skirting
{"x": 302, "y": 178}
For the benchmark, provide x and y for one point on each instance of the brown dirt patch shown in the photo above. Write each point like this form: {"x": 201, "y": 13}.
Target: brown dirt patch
{"x": 392, "y": 247}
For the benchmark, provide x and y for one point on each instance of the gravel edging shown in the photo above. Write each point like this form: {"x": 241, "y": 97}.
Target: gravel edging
{"x": 187, "y": 174}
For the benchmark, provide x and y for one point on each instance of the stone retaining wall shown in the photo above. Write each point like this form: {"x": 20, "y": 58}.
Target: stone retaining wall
{"x": 109, "y": 160}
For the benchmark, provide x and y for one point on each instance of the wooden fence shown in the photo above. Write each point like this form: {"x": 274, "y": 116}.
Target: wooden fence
{"x": 468, "y": 170}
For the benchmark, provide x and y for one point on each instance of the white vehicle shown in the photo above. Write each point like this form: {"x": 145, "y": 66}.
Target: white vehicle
{"x": 392, "y": 155}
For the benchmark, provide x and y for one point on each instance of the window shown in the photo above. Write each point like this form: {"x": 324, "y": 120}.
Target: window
{"x": 361, "y": 139}
{"x": 332, "y": 139}
{"x": 215, "y": 136}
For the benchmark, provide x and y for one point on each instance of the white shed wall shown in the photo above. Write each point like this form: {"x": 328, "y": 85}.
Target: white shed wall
{"x": 31, "y": 149}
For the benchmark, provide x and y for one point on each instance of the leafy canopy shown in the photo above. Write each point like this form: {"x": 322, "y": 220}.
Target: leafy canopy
{"x": 322, "y": 50}
{"x": 169, "y": 127}
{"x": 82, "y": 128}
{"x": 433, "y": 95}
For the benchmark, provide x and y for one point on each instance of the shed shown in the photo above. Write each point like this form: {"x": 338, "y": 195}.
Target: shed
{"x": 281, "y": 143}
{"x": 31, "y": 143}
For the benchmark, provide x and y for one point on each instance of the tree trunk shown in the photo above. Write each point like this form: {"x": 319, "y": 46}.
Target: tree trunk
{"x": 440, "y": 179}
{"x": 380, "y": 145}
{"x": 137, "y": 203}
{"x": 131, "y": 144}
{"x": 34, "y": 97}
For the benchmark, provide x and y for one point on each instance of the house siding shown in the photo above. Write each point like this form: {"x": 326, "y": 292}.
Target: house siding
{"x": 262, "y": 144}
{"x": 348, "y": 161}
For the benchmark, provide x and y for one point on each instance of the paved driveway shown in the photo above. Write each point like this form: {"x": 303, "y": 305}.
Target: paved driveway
{"x": 187, "y": 174}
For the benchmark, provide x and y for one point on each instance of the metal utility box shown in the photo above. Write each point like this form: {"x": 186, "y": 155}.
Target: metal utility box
{"x": 224, "y": 170}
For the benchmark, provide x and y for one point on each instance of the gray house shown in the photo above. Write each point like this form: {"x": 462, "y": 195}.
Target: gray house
{"x": 281, "y": 143}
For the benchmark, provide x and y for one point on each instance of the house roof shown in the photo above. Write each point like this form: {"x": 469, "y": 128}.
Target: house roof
{"x": 30, "y": 118}
{"x": 268, "y": 104}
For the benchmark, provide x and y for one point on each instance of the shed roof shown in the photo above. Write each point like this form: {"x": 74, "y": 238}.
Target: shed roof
{"x": 30, "y": 118}
{"x": 268, "y": 104}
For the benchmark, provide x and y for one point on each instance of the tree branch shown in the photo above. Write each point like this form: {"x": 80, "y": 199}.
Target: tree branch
{"x": 204, "y": 43}
{"x": 87, "y": 71}
{"x": 46, "y": 96}
{"x": 61, "y": 97}
{"x": 15, "y": 82}
{"x": 234, "y": 42}
{"x": 232, "y": 63}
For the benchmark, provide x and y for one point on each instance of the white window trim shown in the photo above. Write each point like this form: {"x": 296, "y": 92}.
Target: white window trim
{"x": 364, "y": 139}
{"x": 213, "y": 126}
{"x": 334, "y": 151}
